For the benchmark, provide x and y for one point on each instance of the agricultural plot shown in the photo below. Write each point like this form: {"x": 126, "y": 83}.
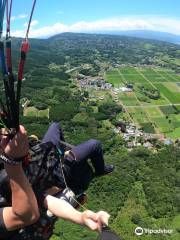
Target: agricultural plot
{"x": 155, "y": 78}
{"x": 160, "y": 101}
{"x": 163, "y": 124}
{"x": 161, "y": 115}
{"x": 147, "y": 71}
{"x": 136, "y": 78}
{"x": 153, "y": 112}
{"x": 138, "y": 115}
{"x": 128, "y": 99}
{"x": 34, "y": 112}
{"x": 115, "y": 78}
{"x": 170, "y": 77}
{"x": 128, "y": 70}
{"x": 174, "y": 134}
{"x": 171, "y": 96}
{"x": 167, "y": 110}
{"x": 173, "y": 87}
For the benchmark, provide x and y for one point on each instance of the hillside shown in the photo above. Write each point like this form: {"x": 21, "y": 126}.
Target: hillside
{"x": 144, "y": 190}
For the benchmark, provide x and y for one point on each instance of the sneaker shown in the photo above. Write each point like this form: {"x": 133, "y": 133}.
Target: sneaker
{"x": 109, "y": 168}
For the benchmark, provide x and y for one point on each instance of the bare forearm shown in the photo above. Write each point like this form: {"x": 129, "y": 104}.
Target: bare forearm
{"x": 62, "y": 209}
{"x": 24, "y": 208}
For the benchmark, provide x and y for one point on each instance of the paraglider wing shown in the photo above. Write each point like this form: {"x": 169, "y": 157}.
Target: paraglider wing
{"x": 108, "y": 234}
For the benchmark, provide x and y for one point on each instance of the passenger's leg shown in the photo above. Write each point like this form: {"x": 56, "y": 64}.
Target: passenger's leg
{"x": 90, "y": 149}
{"x": 79, "y": 176}
{"x": 54, "y": 134}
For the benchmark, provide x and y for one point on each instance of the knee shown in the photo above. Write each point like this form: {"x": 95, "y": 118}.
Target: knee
{"x": 54, "y": 126}
{"x": 95, "y": 143}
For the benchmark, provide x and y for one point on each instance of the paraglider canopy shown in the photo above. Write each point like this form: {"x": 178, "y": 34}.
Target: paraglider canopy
{"x": 108, "y": 234}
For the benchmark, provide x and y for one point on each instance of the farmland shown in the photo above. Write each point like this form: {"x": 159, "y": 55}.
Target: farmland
{"x": 34, "y": 112}
{"x": 155, "y": 115}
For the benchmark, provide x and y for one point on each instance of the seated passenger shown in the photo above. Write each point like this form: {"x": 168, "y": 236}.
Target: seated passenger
{"x": 78, "y": 172}
{"x": 49, "y": 176}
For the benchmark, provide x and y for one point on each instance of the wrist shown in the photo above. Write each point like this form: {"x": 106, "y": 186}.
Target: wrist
{"x": 79, "y": 218}
{"x": 9, "y": 160}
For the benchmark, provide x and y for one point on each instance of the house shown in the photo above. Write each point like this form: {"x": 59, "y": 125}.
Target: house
{"x": 148, "y": 145}
{"x": 130, "y": 145}
{"x": 168, "y": 142}
{"x": 125, "y": 89}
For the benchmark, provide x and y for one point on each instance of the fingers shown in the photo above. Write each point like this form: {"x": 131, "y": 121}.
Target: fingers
{"x": 22, "y": 130}
{"x": 92, "y": 215}
{"x": 92, "y": 225}
{"x": 17, "y": 147}
{"x": 91, "y": 220}
{"x": 4, "y": 141}
{"x": 103, "y": 217}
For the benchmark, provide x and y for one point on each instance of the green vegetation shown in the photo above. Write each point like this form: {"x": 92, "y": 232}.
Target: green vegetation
{"x": 115, "y": 78}
{"x": 147, "y": 127}
{"x": 173, "y": 98}
{"x": 34, "y": 112}
{"x": 167, "y": 110}
{"x": 144, "y": 189}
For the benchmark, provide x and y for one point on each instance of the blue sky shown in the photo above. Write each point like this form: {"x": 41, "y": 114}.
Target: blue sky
{"x": 55, "y": 16}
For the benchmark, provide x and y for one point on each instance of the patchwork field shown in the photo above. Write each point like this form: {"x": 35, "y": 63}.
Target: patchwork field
{"x": 161, "y": 115}
{"x": 34, "y": 112}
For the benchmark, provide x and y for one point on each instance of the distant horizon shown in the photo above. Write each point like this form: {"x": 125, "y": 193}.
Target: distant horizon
{"x": 95, "y": 16}
{"x": 104, "y": 33}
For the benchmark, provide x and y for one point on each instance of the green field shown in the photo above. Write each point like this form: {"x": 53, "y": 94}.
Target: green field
{"x": 115, "y": 78}
{"x": 173, "y": 97}
{"x": 161, "y": 115}
{"x": 34, "y": 112}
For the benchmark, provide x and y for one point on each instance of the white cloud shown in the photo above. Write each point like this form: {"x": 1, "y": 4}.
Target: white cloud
{"x": 20, "y": 16}
{"x": 33, "y": 23}
{"x": 114, "y": 24}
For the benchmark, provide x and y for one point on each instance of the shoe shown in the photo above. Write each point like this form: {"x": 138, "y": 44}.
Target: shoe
{"x": 109, "y": 168}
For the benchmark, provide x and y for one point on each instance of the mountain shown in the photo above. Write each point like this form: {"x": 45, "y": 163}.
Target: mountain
{"x": 143, "y": 34}
{"x": 147, "y": 34}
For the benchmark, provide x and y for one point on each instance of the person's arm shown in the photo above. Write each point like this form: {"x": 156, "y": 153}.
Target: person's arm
{"x": 24, "y": 210}
{"x": 63, "y": 209}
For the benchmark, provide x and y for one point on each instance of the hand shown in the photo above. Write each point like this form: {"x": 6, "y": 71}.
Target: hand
{"x": 17, "y": 147}
{"x": 95, "y": 221}
{"x": 103, "y": 218}
{"x": 70, "y": 155}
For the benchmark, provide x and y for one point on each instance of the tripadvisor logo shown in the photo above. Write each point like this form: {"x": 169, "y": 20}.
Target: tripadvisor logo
{"x": 139, "y": 231}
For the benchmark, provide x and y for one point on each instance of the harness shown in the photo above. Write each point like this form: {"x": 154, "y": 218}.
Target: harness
{"x": 40, "y": 169}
